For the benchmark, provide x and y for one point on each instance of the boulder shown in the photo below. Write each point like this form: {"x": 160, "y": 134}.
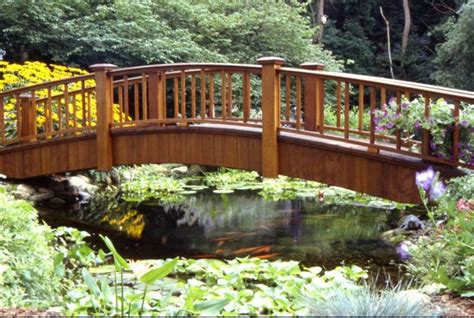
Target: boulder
{"x": 57, "y": 202}
{"x": 42, "y": 196}
{"x": 181, "y": 170}
{"x": 26, "y": 189}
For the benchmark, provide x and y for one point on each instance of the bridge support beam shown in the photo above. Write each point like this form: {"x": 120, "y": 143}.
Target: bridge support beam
{"x": 104, "y": 98}
{"x": 271, "y": 114}
{"x": 313, "y": 99}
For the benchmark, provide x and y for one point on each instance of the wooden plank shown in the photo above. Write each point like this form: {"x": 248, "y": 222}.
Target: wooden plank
{"x": 202, "y": 76}
{"x": 193, "y": 96}
{"x": 223, "y": 96}
{"x": 183, "y": 98}
{"x": 229, "y": 94}
{"x": 126, "y": 97}
{"x": 338, "y": 104}
{"x": 211, "y": 96}
{"x": 246, "y": 96}
{"x": 287, "y": 98}
{"x": 346, "y": 110}
{"x": 361, "y": 106}
{"x": 176, "y": 97}
{"x": 298, "y": 104}
{"x": 144, "y": 97}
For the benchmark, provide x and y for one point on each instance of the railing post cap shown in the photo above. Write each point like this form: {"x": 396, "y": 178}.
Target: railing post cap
{"x": 26, "y": 95}
{"x": 312, "y": 66}
{"x": 102, "y": 67}
{"x": 271, "y": 60}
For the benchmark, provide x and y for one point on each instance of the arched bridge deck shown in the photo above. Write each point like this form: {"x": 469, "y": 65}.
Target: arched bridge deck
{"x": 264, "y": 117}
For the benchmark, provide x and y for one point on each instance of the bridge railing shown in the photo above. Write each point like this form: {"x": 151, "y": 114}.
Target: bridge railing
{"x": 381, "y": 114}
{"x": 54, "y": 109}
{"x": 376, "y": 114}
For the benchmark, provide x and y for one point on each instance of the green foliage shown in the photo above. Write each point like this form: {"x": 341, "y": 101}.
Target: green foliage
{"x": 370, "y": 302}
{"x": 455, "y": 58}
{"x": 446, "y": 256}
{"x": 227, "y": 180}
{"x": 27, "y": 258}
{"x": 462, "y": 187}
{"x": 159, "y": 31}
{"x": 207, "y": 287}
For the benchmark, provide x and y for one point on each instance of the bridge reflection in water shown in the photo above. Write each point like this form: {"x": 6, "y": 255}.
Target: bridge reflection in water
{"x": 265, "y": 117}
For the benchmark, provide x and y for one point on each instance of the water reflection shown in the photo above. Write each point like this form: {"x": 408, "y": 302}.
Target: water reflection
{"x": 210, "y": 225}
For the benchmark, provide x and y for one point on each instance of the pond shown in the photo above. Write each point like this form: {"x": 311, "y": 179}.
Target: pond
{"x": 209, "y": 225}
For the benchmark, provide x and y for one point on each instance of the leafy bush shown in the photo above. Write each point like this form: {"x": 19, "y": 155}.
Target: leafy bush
{"x": 27, "y": 272}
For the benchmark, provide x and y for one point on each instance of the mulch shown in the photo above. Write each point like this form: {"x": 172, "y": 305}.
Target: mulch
{"x": 454, "y": 306}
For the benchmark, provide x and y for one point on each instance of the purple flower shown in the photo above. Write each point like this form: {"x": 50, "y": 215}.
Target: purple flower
{"x": 437, "y": 191}
{"x": 402, "y": 251}
{"x": 425, "y": 178}
{"x": 389, "y": 125}
{"x": 404, "y": 105}
{"x": 376, "y": 120}
{"x": 464, "y": 123}
{"x": 417, "y": 124}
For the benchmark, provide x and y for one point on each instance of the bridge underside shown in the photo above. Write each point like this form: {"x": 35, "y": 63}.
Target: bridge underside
{"x": 352, "y": 167}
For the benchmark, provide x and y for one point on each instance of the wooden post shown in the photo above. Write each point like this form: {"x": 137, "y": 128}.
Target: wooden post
{"x": 271, "y": 114}
{"x": 313, "y": 99}
{"x": 28, "y": 117}
{"x": 104, "y": 98}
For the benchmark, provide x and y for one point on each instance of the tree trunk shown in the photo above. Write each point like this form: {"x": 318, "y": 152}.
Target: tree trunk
{"x": 319, "y": 23}
{"x": 406, "y": 26}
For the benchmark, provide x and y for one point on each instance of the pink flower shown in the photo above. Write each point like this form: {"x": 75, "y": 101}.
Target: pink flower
{"x": 463, "y": 205}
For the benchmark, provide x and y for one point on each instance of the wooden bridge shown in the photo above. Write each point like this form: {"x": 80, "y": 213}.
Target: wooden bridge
{"x": 265, "y": 117}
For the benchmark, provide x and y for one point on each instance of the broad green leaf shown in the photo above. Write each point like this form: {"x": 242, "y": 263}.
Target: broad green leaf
{"x": 119, "y": 261}
{"x": 211, "y": 307}
{"x": 90, "y": 282}
{"x": 155, "y": 274}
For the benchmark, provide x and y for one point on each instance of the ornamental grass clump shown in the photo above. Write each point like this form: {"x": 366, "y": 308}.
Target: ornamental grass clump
{"x": 369, "y": 302}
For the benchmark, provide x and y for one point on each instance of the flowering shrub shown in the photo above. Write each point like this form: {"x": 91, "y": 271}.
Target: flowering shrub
{"x": 14, "y": 75}
{"x": 410, "y": 120}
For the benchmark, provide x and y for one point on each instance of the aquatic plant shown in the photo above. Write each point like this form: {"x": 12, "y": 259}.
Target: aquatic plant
{"x": 204, "y": 287}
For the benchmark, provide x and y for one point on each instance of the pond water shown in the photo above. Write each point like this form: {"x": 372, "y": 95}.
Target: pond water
{"x": 208, "y": 225}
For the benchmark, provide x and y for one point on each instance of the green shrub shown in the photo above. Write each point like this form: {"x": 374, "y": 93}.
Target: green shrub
{"x": 27, "y": 276}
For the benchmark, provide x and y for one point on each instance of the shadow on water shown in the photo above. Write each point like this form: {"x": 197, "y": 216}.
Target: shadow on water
{"x": 242, "y": 224}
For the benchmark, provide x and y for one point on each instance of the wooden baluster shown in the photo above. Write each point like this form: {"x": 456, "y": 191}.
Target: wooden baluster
{"x": 361, "y": 106}
{"x": 60, "y": 117}
{"x": 126, "y": 97}
{"x": 104, "y": 88}
{"x": 202, "y": 76}
{"x": 223, "y": 97}
{"x": 193, "y": 96}
{"x": 320, "y": 104}
{"x": 298, "y": 103}
{"x": 246, "y": 96}
{"x": 176, "y": 97}
{"x": 229, "y": 94}
{"x": 154, "y": 95}
{"x": 456, "y": 131}
{"x": 271, "y": 115}
{"x": 162, "y": 111}
{"x": 136, "y": 101}
{"x": 89, "y": 109}
{"x": 144, "y": 98}
{"x": 120, "y": 102}
{"x": 18, "y": 115}
{"x": 398, "y": 132}
{"x": 66, "y": 106}
{"x": 183, "y": 98}
{"x": 287, "y": 98}
{"x": 28, "y": 117}
{"x": 383, "y": 97}
{"x": 338, "y": 104}
{"x": 407, "y": 95}
{"x": 425, "y": 142}
{"x": 346, "y": 110}
{"x": 83, "y": 102}
{"x": 211, "y": 96}
{"x": 49, "y": 114}
{"x": 74, "y": 105}
{"x": 372, "y": 116}
{"x": 2, "y": 122}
